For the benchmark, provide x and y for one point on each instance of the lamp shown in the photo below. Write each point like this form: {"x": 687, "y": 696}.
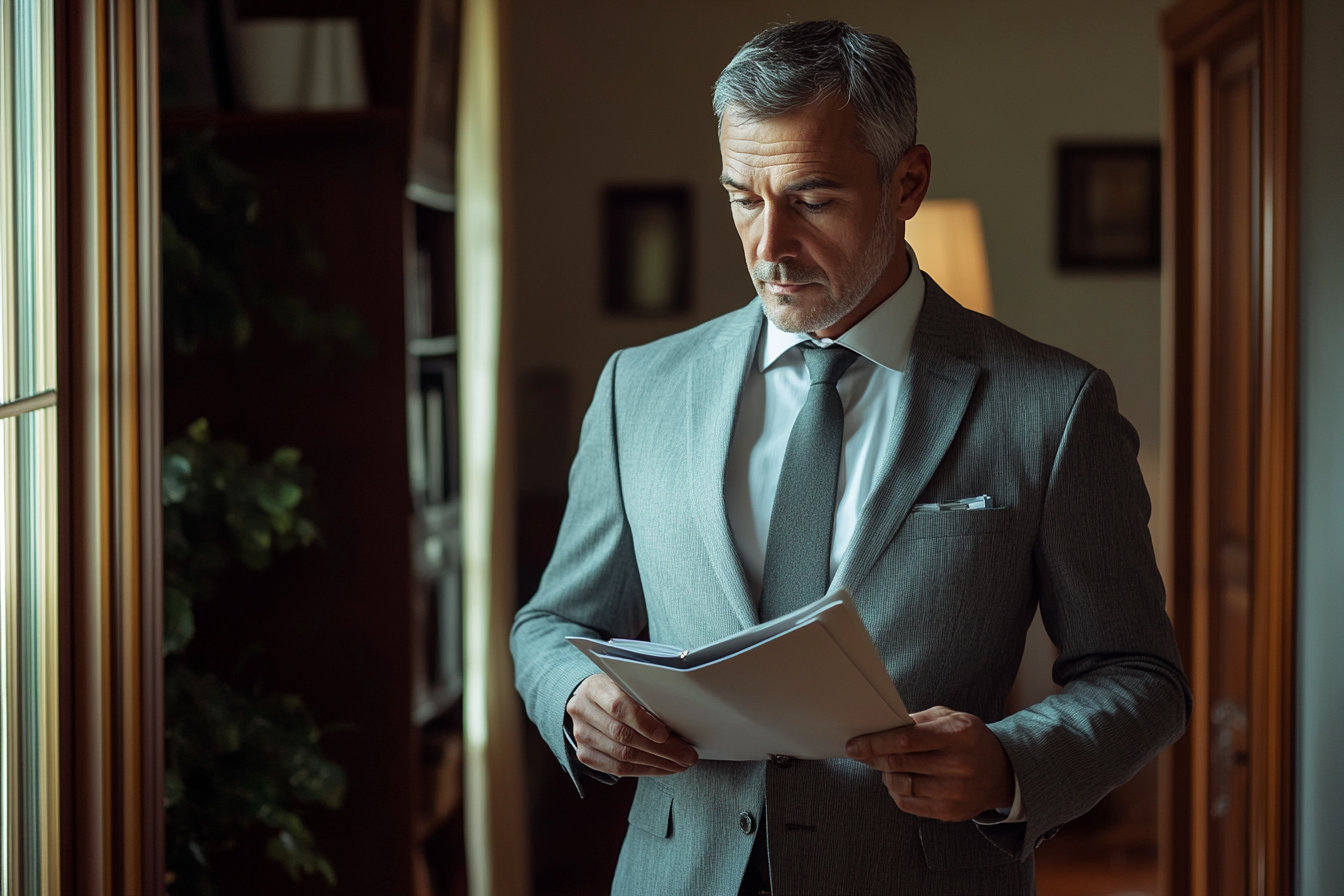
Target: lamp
{"x": 950, "y": 243}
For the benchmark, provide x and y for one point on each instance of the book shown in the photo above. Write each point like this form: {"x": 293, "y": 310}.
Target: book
{"x": 799, "y": 686}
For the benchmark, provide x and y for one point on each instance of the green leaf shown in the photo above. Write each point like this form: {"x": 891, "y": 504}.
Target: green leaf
{"x": 306, "y": 532}
{"x": 173, "y": 788}
{"x": 199, "y": 431}
{"x": 297, "y": 853}
{"x": 286, "y": 458}
{"x": 179, "y": 623}
{"x": 278, "y": 497}
{"x": 176, "y": 478}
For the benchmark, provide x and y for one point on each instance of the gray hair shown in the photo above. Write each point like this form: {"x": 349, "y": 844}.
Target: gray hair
{"x": 789, "y": 66}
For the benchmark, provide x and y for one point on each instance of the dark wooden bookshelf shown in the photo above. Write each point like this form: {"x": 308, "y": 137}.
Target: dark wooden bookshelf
{"x": 338, "y": 123}
{"x": 356, "y": 628}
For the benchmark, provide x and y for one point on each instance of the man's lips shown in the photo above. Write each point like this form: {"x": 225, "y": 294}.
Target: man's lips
{"x": 786, "y": 289}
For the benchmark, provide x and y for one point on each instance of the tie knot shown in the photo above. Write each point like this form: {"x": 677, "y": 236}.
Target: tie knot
{"x": 827, "y": 365}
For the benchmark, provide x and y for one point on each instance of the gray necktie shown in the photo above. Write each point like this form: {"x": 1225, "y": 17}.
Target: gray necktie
{"x": 798, "y": 546}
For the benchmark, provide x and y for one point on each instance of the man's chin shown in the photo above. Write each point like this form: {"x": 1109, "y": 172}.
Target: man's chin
{"x": 791, "y": 317}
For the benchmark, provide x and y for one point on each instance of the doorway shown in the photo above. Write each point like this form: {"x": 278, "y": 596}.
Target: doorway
{"x": 1231, "y": 211}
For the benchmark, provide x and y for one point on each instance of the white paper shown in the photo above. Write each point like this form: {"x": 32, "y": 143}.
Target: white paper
{"x": 799, "y": 686}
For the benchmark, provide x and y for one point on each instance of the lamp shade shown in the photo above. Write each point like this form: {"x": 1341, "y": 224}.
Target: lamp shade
{"x": 950, "y": 243}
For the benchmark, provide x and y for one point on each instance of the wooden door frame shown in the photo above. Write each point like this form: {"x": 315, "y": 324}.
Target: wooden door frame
{"x": 1190, "y": 30}
{"x": 110, "y": 565}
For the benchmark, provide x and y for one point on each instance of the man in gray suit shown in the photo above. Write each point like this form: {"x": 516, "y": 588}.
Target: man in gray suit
{"x": 737, "y": 470}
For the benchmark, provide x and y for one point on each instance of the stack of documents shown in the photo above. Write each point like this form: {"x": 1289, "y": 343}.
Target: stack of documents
{"x": 801, "y": 685}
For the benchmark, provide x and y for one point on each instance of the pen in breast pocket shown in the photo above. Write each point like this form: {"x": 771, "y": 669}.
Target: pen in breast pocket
{"x": 980, "y": 502}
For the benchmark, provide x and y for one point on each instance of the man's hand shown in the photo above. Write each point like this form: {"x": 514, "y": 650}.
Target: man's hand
{"x": 948, "y": 765}
{"x": 618, "y": 736}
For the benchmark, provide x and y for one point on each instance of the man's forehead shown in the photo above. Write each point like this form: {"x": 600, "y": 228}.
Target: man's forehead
{"x": 817, "y": 142}
{"x": 822, "y": 122}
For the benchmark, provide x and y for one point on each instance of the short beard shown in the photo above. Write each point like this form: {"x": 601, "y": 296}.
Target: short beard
{"x": 790, "y": 317}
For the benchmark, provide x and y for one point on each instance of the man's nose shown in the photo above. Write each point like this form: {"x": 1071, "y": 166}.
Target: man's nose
{"x": 778, "y": 242}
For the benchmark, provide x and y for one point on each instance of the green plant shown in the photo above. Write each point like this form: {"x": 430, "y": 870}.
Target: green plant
{"x": 236, "y": 757}
{"x": 215, "y": 251}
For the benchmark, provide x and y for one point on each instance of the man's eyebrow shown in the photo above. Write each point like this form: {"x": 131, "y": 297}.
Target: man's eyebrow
{"x": 802, "y": 186}
{"x": 814, "y": 183}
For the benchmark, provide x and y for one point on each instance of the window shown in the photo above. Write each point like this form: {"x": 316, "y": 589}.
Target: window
{"x": 28, "y": 582}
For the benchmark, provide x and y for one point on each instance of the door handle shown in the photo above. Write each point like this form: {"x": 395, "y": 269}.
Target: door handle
{"x": 1229, "y": 718}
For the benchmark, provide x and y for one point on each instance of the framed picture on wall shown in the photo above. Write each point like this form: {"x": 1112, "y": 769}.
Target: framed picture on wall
{"x": 434, "y": 110}
{"x": 647, "y": 246}
{"x": 1110, "y": 206}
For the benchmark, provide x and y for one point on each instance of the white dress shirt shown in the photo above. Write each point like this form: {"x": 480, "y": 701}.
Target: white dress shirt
{"x": 773, "y": 394}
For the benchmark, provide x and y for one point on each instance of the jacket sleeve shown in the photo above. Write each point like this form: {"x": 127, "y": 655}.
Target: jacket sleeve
{"x": 591, "y": 586}
{"x": 1125, "y": 697}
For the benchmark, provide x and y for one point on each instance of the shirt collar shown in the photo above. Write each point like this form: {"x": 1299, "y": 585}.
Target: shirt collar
{"x": 883, "y": 336}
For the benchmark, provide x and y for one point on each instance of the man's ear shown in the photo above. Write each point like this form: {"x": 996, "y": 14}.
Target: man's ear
{"x": 910, "y": 182}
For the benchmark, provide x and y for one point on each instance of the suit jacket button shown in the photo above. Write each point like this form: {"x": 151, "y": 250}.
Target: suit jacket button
{"x": 782, "y": 761}
{"x": 747, "y": 822}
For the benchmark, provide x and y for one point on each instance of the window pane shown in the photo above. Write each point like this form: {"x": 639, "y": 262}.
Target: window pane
{"x": 29, "y": 822}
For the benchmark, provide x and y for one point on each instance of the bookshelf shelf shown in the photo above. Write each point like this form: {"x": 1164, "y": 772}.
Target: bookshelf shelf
{"x": 353, "y": 122}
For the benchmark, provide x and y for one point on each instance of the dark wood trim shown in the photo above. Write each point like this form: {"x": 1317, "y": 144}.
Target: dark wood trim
{"x": 148, "y": 322}
{"x": 1178, "y": 184}
{"x": 1194, "y": 20}
{"x": 1193, "y": 31}
{"x": 335, "y": 124}
{"x": 1273, "y": 752}
{"x": 111, "y": 687}
{"x": 1221, "y": 24}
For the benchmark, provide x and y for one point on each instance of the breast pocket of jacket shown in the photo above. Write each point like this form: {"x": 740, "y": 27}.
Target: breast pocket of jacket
{"x": 954, "y": 523}
{"x": 940, "y": 566}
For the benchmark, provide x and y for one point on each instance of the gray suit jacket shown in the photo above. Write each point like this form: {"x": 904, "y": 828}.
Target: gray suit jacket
{"x": 947, "y": 598}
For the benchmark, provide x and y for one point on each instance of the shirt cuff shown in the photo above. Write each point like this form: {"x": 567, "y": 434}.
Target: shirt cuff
{"x": 1010, "y": 815}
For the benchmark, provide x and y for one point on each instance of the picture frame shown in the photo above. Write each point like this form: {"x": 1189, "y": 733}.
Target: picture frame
{"x": 1110, "y": 206}
{"x": 647, "y": 248}
{"x": 431, "y": 181}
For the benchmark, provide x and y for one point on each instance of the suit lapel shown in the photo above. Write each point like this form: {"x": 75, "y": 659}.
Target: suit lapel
{"x": 714, "y": 381}
{"x": 935, "y": 393}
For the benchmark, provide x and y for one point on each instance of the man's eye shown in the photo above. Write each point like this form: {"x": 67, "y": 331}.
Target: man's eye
{"x": 744, "y": 202}
{"x": 815, "y": 207}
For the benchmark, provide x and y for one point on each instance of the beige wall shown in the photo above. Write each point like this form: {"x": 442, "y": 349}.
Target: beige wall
{"x": 620, "y": 92}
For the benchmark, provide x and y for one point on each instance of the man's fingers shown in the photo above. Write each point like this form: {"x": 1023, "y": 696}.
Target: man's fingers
{"x": 936, "y": 763}
{"x": 908, "y": 739}
{"x": 935, "y": 729}
{"x": 671, "y": 748}
{"x": 899, "y": 783}
{"x": 599, "y": 761}
{"x": 626, "y": 754}
{"x": 923, "y": 787}
{"x": 933, "y": 712}
{"x": 929, "y": 797}
{"x": 625, "y": 710}
{"x": 620, "y": 706}
{"x": 614, "y": 734}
